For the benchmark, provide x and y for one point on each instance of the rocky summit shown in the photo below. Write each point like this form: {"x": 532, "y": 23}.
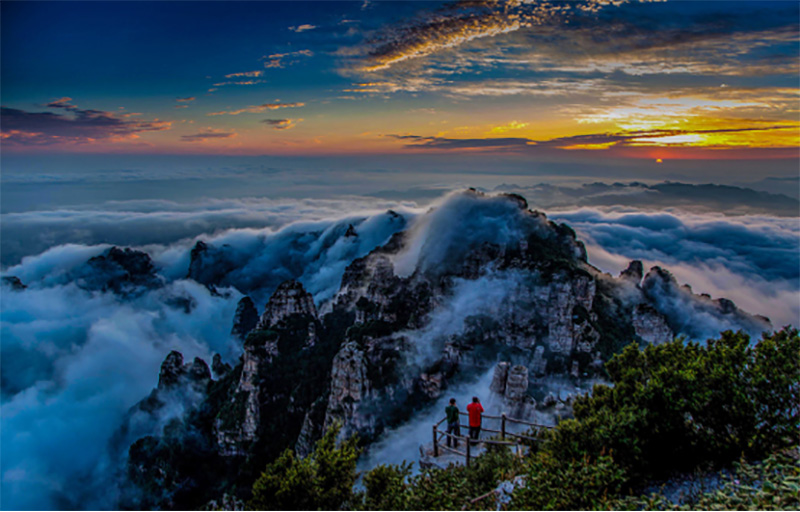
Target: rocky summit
{"x": 479, "y": 285}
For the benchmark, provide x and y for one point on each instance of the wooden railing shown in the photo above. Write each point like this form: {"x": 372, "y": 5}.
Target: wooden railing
{"x": 439, "y": 434}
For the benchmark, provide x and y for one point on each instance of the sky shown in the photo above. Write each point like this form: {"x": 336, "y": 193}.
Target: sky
{"x": 558, "y": 81}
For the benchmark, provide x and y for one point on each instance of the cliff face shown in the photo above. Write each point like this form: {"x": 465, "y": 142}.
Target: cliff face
{"x": 559, "y": 315}
{"x": 289, "y": 299}
{"x": 479, "y": 279}
{"x": 650, "y": 325}
{"x": 510, "y": 386}
{"x": 125, "y": 272}
{"x": 289, "y": 324}
{"x": 690, "y": 314}
{"x": 245, "y": 319}
{"x": 350, "y": 392}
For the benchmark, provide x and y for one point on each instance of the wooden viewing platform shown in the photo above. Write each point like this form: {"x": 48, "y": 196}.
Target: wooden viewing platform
{"x": 514, "y": 438}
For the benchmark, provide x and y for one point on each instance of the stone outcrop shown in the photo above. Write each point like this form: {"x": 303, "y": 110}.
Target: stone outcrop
{"x": 14, "y": 283}
{"x": 227, "y": 502}
{"x": 291, "y": 318}
{"x": 209, "y": 265}
{"x": 569, "y": 323}
{"x": 174, "y": 372}
{"x": 350, "y": 388}
{"x": 499, "y": 378}
{"x": 510, "y": 385}
{"x": 690, "y": 314}
{"x": 181, "y": 391}
{"x": 309, "y": 433}
{"x": 289, "y": 299}
{"x": 539, "y": 363}
{"x": 650, "y": 325}
{"x": 245, "y": 319}
{"x": 171, "y": 370}
{"x": 219, "y": 367}
{"x": 634, "y": 272}
{"x": 121, "y": 271}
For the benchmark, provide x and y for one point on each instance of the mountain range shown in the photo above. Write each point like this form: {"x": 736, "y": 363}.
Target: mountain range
{"x": 480, "y": 285}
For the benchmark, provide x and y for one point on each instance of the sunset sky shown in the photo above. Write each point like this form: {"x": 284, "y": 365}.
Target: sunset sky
{"x": 590, "y": 79}
{"x": 666, "y": 132}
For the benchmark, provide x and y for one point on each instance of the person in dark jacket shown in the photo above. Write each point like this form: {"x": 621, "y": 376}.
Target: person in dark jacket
{"x": 475, "y": 410}
{"x": 453, "y": 427}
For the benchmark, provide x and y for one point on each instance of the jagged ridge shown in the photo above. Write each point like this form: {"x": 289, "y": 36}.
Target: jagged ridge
{"x": 375, "y": 348}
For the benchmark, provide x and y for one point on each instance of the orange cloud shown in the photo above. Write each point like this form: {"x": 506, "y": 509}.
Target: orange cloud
{"x": 282, "y": 124}
{"x": 76, "y": 126}
{"x": 208, "y": 134}
{"x": 257, "y": 109}
{"x": 250, "y": 74}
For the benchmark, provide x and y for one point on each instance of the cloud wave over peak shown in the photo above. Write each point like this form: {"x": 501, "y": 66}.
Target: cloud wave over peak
{"x": 78, "y": 352}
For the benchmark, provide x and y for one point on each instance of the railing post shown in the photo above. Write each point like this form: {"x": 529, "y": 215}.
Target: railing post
{"x": 503, "y": 426}
{"x": 435, "y": 443}
{"x": 468, "y": 444}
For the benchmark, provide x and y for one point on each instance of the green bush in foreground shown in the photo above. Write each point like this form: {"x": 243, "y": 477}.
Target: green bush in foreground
{"x": 681, "y": 405}
{"x": 392, "y": 488}
{"x": 322, "y": 481}
{"x": 772, "y": 485}
{"x": 558, "y": 484}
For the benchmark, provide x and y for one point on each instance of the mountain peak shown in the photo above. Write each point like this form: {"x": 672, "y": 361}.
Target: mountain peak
{"x": 290, "y": 298}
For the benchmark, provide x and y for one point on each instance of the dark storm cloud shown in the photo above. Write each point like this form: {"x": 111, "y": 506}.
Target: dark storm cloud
{"x": 77, "y": 126}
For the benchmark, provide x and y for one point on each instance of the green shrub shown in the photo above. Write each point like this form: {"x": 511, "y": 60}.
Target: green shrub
{"x": 771, "y": 485}
{"x": 682, "y": 405}
{"x": 386, "y": 487}
{"x": 392, "y": 488}
{"x": 322, "y": 481}
{"x": 553, "y": 483}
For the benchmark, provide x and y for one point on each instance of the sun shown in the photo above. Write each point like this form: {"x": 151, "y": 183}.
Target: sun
{"x": 658, "y": 160}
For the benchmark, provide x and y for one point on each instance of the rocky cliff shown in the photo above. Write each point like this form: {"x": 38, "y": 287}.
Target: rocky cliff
{"x": 121, "y": 271}
{"x": 479, "y": 284}
{"x": 245, "y": 319}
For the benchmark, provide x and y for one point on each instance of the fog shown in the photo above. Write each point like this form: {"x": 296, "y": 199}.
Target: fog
{"x": 74, "y": 360}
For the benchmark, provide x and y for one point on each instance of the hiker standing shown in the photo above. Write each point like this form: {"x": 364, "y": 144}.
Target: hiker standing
{"x": 453, "y": 427}
{"x": 475, "y": 409}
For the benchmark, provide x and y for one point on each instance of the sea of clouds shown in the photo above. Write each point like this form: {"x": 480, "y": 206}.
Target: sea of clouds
{"x": 74, "y": 361}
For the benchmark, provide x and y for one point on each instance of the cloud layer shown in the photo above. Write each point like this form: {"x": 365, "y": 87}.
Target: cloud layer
{"x": 70, "y": 375}
{"x": 752, "y": 260}
{"x": 74, "y": 361}
{"x": 76, "y": 126}
{"x": 257, "y": 109}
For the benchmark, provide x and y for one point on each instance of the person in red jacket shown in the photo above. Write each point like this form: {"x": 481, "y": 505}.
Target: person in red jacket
{"x": 475, "y": 409}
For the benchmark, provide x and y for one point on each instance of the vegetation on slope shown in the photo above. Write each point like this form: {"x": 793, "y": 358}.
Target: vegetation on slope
{"x": 671, "y": 409}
